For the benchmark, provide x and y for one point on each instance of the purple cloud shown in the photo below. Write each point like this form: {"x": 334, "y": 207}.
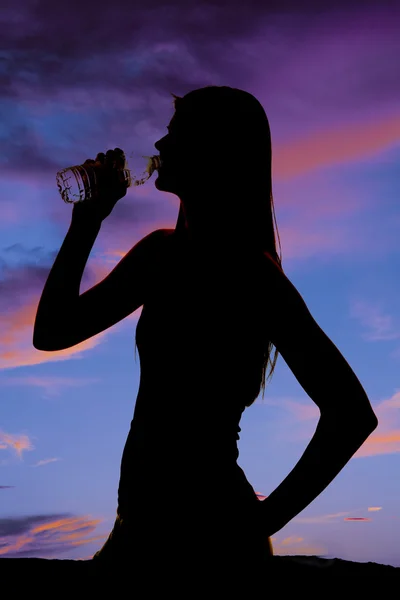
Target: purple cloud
{"x": 19, "y": 525}
{"x": 113, "y": 82}
{"x": 44, "y": 536}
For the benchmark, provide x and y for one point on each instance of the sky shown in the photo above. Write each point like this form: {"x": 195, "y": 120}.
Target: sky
{"x": 77, "y": 79}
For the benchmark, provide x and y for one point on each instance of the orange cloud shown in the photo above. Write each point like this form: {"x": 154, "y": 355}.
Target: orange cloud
{"x": 16, "y": 347}
{"x": 384, "y": 440}
{"x": 386, "y": 437}
{"x": 291, "y": 540}
{"x": 294, "y": 545}
{"x": 18, "y": 443}
{"x": 380, "y": 443}
{"x": 22, "y": 541}
{"x": 71, "y": 524}
{"x": 374, "y": 508}
{"x": 335, "y": 146}
{"x": 51, "y": 538}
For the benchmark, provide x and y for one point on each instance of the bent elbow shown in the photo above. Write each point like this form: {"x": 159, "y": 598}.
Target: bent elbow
{"x": 40, "y": 340}
{"x": 46, "y": 343}
{"x": 368, "y": 421}
{"x": 43, "y": 345}
{"x": 373, "y": 422}
{"x": 361, "y": 423}
{"x": 37, "y": 342}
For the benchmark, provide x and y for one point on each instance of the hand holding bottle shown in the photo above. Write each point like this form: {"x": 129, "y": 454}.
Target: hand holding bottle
{"x": 110, "y": 187}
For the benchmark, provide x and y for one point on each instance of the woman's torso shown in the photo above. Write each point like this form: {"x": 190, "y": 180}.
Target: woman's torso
{"x": 199, "y": 338}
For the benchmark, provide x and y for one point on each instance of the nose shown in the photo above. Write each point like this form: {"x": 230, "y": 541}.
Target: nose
{"x": 158, "y": 145}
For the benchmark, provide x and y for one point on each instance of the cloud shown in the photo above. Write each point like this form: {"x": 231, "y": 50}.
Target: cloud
{"x": 52, "y": 385}
{"x": 295, "y": 545}
{"x": 57, "y": 97}
{"x": 46, "y": 461}
{"x": 374, "y": 508}
{"x": 44, "y": 536}
{"x": 17, "y": 443}
{"x": 381, "y": 326}
{"x": 16, "y": 348}
{"x": 380, "y": 442}
{"x": 6, "y": 487}
{"x": 302, "y": 412}
{"x": 50, "y": 86}
{"x": 386, "y": 437}
{"x": 107, "y": 90}
{"x": 20, "y": 291}
{"x": 327, "y": 148}
{"x": 336, "y": 517}
{"x": 330, "y": 518}
{"x": 301, "y": 420}
{"x": 291, "y": 540}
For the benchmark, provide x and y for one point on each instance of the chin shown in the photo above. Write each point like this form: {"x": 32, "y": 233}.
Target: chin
{"x": 162, "y": 185}
{"x": 159, "y": 185}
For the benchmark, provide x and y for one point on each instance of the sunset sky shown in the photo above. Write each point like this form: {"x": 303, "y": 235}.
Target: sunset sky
{"x": 79, "y": 78}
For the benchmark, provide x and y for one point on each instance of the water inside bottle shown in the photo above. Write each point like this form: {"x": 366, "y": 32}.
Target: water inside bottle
{"x": 78, "y": 183}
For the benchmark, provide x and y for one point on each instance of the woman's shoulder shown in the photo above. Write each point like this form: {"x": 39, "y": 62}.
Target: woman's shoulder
{"x": 167, "y": 232}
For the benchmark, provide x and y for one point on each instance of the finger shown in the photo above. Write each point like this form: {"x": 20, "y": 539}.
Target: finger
{"x": 101, "y": 157}
{"x": 120, "y": 162}
{"x": 120, "y": 158}
{"x": 89, "y": 161}
{"x": 110, "y": 159}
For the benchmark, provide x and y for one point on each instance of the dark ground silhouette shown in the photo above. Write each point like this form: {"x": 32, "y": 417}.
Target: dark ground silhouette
{"x": 82, "y": 579}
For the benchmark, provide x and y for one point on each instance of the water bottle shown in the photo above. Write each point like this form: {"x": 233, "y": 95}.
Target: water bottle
{"x": 78, "y": 183}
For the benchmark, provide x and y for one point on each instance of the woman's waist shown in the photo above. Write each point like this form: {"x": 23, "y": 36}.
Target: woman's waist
{"x": 191, "y": 460}
{"x": 172, "y": 486}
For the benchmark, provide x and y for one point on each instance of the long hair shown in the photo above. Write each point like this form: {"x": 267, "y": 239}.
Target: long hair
{"x": 241, "y": 121}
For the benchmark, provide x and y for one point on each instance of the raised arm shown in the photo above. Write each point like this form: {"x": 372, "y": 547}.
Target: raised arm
{"x": 347, "y": 418}
{"x": 64, "y": 317}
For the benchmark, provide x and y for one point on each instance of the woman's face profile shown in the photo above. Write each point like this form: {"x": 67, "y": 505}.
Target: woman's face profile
{"x": 195, "y": 159}
{"x": 184, "y": 156}
{"x": 172, "y": 154}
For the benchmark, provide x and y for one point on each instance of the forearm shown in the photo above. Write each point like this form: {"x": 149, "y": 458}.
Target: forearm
{"x": 62, "y": 287}
{"x": 331, "y": 447}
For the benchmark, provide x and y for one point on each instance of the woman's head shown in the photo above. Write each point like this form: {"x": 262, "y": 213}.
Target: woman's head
{"x": 217, "y": 159}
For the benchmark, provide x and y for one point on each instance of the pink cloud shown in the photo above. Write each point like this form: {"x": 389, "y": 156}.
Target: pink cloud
{"x": 385, "y": 439}
{"x": 46, "y": 536}
{"x": 17, "y": 443}
{"x": 16, "y": 348}
{"x": 334, "y": 146}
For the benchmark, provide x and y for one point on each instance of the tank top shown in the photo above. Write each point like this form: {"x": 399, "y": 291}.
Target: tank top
{"x": 198, "y": 338}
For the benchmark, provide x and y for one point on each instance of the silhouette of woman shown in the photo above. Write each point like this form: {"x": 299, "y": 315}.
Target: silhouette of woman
{"x": 215, "y": 299}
